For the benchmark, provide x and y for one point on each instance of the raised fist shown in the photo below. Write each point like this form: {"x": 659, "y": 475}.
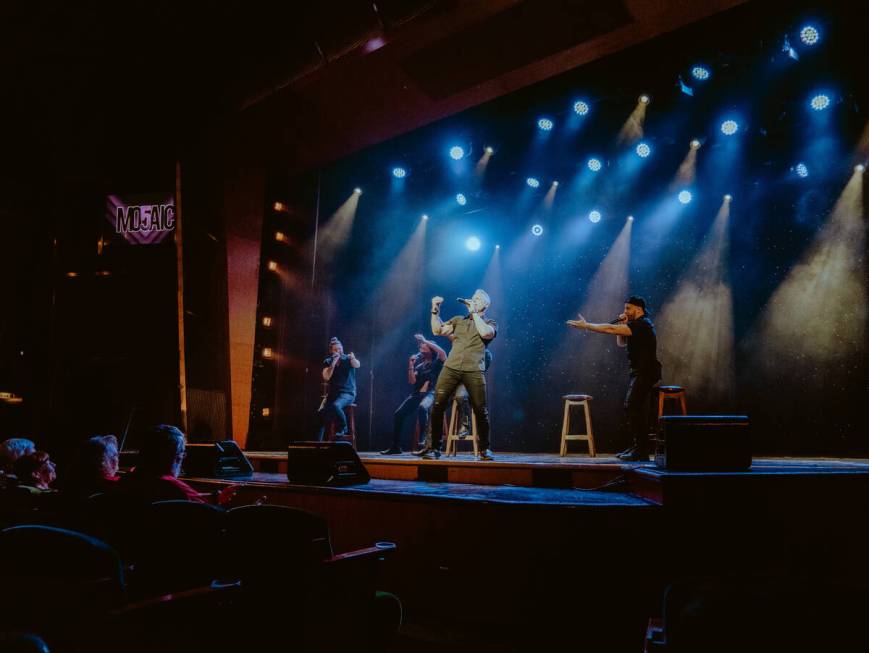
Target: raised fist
{"x": 436, "y": 301}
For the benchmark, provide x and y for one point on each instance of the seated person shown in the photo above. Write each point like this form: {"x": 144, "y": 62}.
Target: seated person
{"x": 155, "y": 477}
{"x": 35, "y": 472}
{"x": 96, "y": 469}
{"x": 10, "y": 451}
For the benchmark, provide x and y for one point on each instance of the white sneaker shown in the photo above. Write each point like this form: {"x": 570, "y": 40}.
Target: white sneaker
{"x": 485, "y": 455}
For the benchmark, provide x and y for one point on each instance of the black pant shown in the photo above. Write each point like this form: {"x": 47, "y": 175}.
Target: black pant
{"x": 333, "y": 411}
{"x": 475, "y": 383}
{"x": 637, "y": 408}
{"x": 419, "y": 403}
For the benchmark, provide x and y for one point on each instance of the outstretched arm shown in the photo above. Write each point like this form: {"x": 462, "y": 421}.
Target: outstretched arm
{"x": 620, "y": 330}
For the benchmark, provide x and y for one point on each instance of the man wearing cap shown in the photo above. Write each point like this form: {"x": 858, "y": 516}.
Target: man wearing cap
{"x": 635, "y": 331}
{"x": 339, "y": 370}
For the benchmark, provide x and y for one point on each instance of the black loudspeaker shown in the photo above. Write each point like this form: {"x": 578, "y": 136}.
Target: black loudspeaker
{"x": 704, "y": 443}
{"x": 325, "y": 463}
{"x": 217, "y": 460}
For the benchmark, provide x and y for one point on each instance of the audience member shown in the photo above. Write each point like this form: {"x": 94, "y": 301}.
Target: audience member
{"x": 35, "y": 472}
{"x": 10, "y": 451}
{"x": 96, "y": 469}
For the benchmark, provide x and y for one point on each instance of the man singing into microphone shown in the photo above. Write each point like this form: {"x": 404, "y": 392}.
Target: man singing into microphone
{"x": 465, "y": 364}
{"x": 633, "y": 329}
{"x": 340, "y": 371}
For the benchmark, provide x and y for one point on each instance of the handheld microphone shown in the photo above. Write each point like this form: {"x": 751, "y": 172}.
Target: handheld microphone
{"x": 466, "y": 302}
{"x": 618, "y": 320}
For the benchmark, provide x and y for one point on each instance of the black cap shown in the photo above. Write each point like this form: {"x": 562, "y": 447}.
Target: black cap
{"x": 636, "y": 300}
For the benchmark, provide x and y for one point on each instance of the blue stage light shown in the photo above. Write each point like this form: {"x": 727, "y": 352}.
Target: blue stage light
{"x": 580, "y": 107}
{"x": 461, "y": 199}
{"x": 643, "y": 150}
{"x": 802, "y": 170}
{"x": 472, "y": 243}
{"x": 456, "y": 152}
{"x": 685, "y": 196}
{"x": 545, "y": 124}
{"x": 810, "y": 35}
{"x": 594, "y": 165}
{"x": 399, "y": 173}
{"x": 537, "y": 230}
{"x": 729, "y": 127}
{"x": 595, "y": 216}
{"x": 533, "y": 182}
{"x": 700, "y": 73}
{"x": 820, "y": 102}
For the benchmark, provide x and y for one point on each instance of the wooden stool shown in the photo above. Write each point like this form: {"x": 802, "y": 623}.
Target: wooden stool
{"x": 576, "y": 400}
{"x": 350, "y": 412}
{"x": 426, "y": 439}
{"x": 453, "y": 437}
{"x": 674, "y": 392}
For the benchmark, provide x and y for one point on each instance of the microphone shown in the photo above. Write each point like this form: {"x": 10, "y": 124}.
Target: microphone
{"x": 466, "y": 302}
{"x": 618, "y": 320}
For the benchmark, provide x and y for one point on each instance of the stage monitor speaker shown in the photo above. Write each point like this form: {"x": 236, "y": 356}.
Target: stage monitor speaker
{"x": 217, "y": 460}
{"x": 325, "y": 463}
{"x": 704, "y": 443}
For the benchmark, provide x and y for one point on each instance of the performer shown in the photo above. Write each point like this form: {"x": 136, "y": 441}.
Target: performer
{"x": 465, "y": 364}
{"x": 339, "y": 370}
{"x": 423, "y": 369}
{"x": 634, "y": 329}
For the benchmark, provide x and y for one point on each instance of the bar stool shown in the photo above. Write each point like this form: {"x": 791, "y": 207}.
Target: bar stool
{"x": 350, "y": 412}
{"x": 671, "y": 392}
{"x": 569, "y": 402}
{"x": 425, "y": 441}
{"x": 453, "y": 437}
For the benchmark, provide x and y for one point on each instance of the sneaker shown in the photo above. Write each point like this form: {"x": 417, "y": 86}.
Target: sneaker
{"x": 392, "y": 451}
{"x": 430, "y": 454}
{"x": 486, "y": 454}
{"x": 634, "y": 455}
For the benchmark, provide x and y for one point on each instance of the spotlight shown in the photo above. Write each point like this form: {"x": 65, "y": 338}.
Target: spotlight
{"x": 728, "y": 197}
{"x": 461, "y": 199}
{"x": 594, "y": 165}
{"x": 594, "y": 216}
{"x": 357, "y": 190}
{"x": 630, "y": 218}
{"x": 497, "y": 247}
{"x": 643, "y": 150}
{"x": 424, "y": 216}
{"x": 280, "y": 236}
{"x": 537, "y": 230}
{"x": 545, "y": 124}
{"x": 266, "y": 411}
{"x": 267, "y": 352}
{"x": 279, "y": 206}
{"x": 700, "y": 73}
{"x": 644, "y": 99}
{"x": 695, "y": 144}
{"x": 533, "y": 182}
{"x": 859, "y": 168}
{"x": 729, "y": 127}
{"x": 272, "y": 266}
{"x": 555, "y": 183}
{"x": 685, "y": 196}
{"x": 267, "y": 321}
{"x": 809, "y": 35}
{"x": 490, "y": 150}
{"x": 472, "y": 243}
{"x": 580, "y": 107}
{"x": 456, "y": 152}
{"x": 820, "y": 102}
{"x": 399, "y": 173}
{"x": 802, "y": 170}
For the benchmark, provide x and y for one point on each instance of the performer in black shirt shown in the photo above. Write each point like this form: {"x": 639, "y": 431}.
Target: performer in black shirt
{"x": 340, "y": 371}
{"x": 423, "y": 369}
{"x": 635, "y": 331}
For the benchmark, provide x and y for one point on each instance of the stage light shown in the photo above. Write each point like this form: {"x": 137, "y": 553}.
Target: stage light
{"x": 533, "y": 182}
{"x": 594, "y": 165}
{"x": 272, "y": 266}
{"x": 594, "y": 216}
{"x": 72, "y": 275}
{"x": 267, "y": 321}
{"x": 695, "y": 144}
{"x": 490, "y": 150}
{"x": 279, "y": 206}
{"x": 643, "y": 99}
{"x": 630, "y": 218}
{"x": 456, "y": 152}
{"x": 802, "y": 170}
{"x": 357, "y": 190}
{"x": 685, "y": 196}
{"x": 859, "y": 168}
{"x": 424, "y": 216}
{"x": 266, "y": 412}
{"x": 280, "y": 236}
{"x": 728, "y": 197}
{"x": 497, "y": 247}
{"x": 810, "y": 35}
{"x": 461, "y": 199}
{"x": 472, "y": 243}
{"x": 580, "y": 107}
{"x": 555, "y": 183}
{"x": 537, "y": 230}
{"x": 643, "y": 150}
{"x": 399, "y": 173}
{"x": 545, "y": 124}
{"x": 729, "y": 127}
{"x": 267, "y": 352}
{"x": 700, "y": 73}
{"x": 820, "y": 102}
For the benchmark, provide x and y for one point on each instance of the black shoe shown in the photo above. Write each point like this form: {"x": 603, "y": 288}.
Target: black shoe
{"x": 430, "y": 454}
{"x": 392, "y": 451}
{"x": 627, "y": 452}
{"x": 634, "y": 455}
{"x": 486, "y": 454}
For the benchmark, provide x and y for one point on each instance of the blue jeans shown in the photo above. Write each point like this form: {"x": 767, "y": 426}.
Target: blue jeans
{"x": 333, "y": 411}
{"x": 419, "y": 403}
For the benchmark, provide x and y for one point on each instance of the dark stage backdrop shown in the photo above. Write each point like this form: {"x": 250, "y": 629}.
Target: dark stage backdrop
{"x": 759, "y": 301}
